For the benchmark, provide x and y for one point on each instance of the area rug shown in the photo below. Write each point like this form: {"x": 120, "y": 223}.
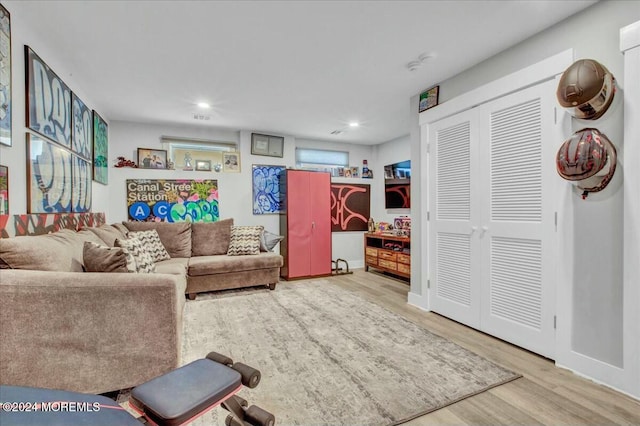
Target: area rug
{"x": 329, "y": 357}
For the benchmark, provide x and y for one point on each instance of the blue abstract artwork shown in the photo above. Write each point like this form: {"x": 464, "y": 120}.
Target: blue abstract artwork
{"x": 266, "y": 189}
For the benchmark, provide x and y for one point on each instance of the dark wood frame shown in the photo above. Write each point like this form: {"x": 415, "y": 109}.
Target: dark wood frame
{"x": 429, "y": 93}
{"x": 162, "y": 152}
{"x": 277, "y": 150}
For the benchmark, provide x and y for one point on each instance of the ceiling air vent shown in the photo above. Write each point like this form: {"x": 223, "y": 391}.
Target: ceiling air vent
{"x": 337, "y": 132}
{"x": 201, "y": 117}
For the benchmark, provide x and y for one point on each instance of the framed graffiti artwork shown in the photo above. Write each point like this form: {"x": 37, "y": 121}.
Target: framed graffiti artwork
{"x": 100, "y": 149}
{"x": 48, "y": 101}
{"x": 4, "y": 190}
{"x": 81, "y": 187}
{"x": 350, "y": 207}
{"x": 177, "y": 200}
{"x": 5, "y": 77}
{"x": 49, "y": 176}
{"x": 81, "y": 129}
{"x": 266, "y": 189}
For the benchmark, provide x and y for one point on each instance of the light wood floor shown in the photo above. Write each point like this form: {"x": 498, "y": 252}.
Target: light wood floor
{"x": 545, "y": 395}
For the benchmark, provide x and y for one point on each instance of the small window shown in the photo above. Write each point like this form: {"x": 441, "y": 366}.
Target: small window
{"x": 320, "y": 159}
{"x": 182, "y": 149}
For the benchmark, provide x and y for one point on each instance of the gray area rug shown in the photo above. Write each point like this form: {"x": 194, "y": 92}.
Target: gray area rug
{"x": 329, "y": 357}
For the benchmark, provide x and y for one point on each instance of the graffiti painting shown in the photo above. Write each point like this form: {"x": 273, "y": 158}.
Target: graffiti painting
{"x": 81, "y": 187}
{"x": 167, "y": 200}
{"x": 49, "y": 176}
{"x": 4, "y": 190}
{"x": 5, "y": 76}
{"x": 266, "y": 189}
{"x": 82, "y": 138}
{"x": 397, "y": 196}
{"x": 40, "y": 224}
{"x": 350, "y": 207}
{"x": 100, "y": 149}
{"x": 48, "y": 101}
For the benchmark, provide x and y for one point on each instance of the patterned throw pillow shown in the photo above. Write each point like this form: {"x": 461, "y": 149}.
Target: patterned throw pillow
{"x": 268, "y": 240}
{"x": 100, "y": 258}
{"x": 143, "y": 260}
{"x": 245, "y": 240}
{"x": 151, "y": 241}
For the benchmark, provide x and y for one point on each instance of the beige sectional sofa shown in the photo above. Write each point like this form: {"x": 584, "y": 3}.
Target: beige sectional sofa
{"x": 98, "y": 332}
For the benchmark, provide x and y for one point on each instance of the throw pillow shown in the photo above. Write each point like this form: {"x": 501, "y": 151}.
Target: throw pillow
{"x": 209, "y": 239}
{"x": 144, "y": 261}
{"x": 151, "y": 241}
{"x": 245, "y": 240}
{"x": 100, "y": 258}
{"x": 268, "y": 240}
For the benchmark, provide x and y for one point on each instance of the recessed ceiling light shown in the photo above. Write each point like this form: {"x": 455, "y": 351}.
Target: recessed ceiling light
{"x": 354, "y": 124}
{"x": 204, "y": 105}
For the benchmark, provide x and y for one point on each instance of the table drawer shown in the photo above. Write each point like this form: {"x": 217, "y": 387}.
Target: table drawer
{"x": 387, "y": 264}
{"x": 387, "y": 255}
{"x": 369, "y": 251}
{"x": 404, "y": 258}
{"x": 373, "y": 261}
{"x": 404, "y": 268}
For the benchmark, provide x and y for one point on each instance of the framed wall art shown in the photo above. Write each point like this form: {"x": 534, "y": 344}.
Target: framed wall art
{"x": 100, "y": 149}
{"x": 48, "y": 101}
{"x": 5, "y": 77}
{"x": 169, "y": 200}
{"x": 271, "y": 146}
{"x": 49, "y": 177}
{"x": 428, "y": 99}
{"x": 152, "y": 158}
{"x": 231, "y": 162}
{"x": 82, "y": 128}
{"x": 350, "y": 207}
{"x": 266, "y": 189}
{"x": 203, "y": 165}
{"x": 81, "y": 186}
{"x": 4, "y": 190}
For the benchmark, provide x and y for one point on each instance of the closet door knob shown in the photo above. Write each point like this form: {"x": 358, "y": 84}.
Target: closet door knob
{"x": 473, "y": 229}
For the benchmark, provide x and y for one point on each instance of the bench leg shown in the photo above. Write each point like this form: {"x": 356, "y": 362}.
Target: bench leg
{"x": 192, "y": 296}
{"x": 272, "y": 286}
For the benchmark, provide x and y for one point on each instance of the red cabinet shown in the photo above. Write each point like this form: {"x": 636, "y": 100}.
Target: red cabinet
{"x": 305, "y": 223}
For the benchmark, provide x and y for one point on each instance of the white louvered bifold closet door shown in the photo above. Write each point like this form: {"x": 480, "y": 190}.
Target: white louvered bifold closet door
{"x": 455, "y": 274}
{"x": 492, "y": 244}
{"x": 518, "y": 219}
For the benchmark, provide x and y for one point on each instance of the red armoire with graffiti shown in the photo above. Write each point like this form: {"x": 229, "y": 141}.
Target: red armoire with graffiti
{"x": 305, "y": 223}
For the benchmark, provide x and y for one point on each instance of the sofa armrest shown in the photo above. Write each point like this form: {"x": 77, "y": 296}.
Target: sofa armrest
{"x": 87, "y": 332}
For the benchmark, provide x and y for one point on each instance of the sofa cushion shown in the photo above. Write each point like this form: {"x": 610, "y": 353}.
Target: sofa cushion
{"x": 174, "y": 266}
{"x": 210, "y": 238}
{"x": 144, "y": 261}
{"x": 268, "y": 240}
{"x": 60, "y": 251}
{"x": 100, "y": 258}
{"x": 152, "y": 244}
{"x": 220, "y": 264}
{"x": 175, "y": 237}
{"x": 108, "y": 233}
{"x": 245, "y": 240}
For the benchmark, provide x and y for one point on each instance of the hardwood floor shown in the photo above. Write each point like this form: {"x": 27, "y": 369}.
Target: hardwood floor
{"x": 545, "y": 395}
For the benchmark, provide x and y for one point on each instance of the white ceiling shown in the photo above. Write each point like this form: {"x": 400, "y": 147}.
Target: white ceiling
{"x": 301, "y": 68}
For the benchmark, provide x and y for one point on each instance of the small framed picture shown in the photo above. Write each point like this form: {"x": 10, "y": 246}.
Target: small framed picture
{"x": 203, "y": 165}
{"x": 270, "y": 146}
{"x": 4, "y": 190}
{"x": 152, "y": 158}
{"x": 428, "y": 99}
{"x": 231, "y": 162}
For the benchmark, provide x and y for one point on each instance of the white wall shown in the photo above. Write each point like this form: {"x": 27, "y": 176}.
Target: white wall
{"x": 591, "y": 231}
{"x": 393, "y": 151}
{"x": 15, "y": 156}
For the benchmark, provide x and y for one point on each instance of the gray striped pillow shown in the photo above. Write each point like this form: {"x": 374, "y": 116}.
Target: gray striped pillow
{"x": 245, "y": 240}
{"x": 144, "y": 261}
{"x": 151, "y": 242}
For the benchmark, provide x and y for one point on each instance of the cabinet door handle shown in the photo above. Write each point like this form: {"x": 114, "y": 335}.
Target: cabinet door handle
{"x": 313, "y": 224}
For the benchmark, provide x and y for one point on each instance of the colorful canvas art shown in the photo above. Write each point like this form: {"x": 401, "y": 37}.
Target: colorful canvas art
{"x": 166, "y": 200}
{"x": 100, "y": 149}
{"x": 266, "y": 189}
{"x": 350, "y": 207}
{"x": 48, "y": 101}
{"x": 82, "y": 128}
{"x": 39, "y": 224}
{"x": 81, "y": 188}
{"x": 49, "y": 176}
{"x": 4, "y": 190}
{"x": 5, "y": 76}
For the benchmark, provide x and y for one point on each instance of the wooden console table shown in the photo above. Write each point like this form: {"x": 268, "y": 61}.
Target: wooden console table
{"x": 388, "y": 253}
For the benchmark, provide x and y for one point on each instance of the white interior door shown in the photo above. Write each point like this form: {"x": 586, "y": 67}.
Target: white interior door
{"x": 517, "y": 235}
{"x": 455, "y": 273}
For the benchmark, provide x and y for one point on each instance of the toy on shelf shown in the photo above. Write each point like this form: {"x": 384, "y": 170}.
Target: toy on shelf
{"x": 123, "y": 162}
